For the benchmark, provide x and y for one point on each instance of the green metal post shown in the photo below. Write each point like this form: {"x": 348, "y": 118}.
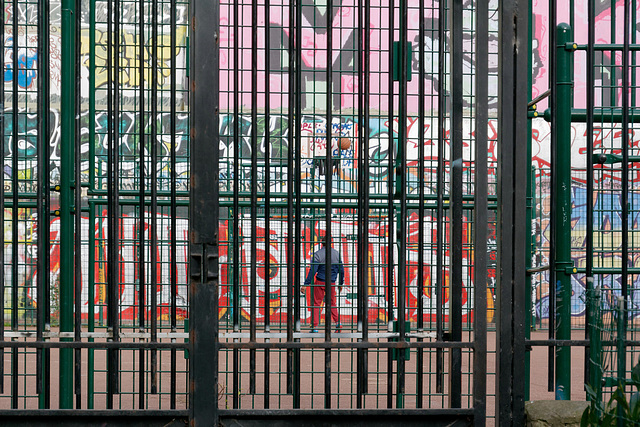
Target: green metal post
{"x": 91, "y": 311}
{"x": 92, "y": 94}
{"x": 562, "y": 195}
{"x": 67, "y": 147}
{"x": 92, "y": 207}
{"x": 621, "y": 332}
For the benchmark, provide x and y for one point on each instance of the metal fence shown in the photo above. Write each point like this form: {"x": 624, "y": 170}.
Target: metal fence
{"x": 170, "y": 168}
{"x": 366, "y": 123}
{"x": 592, "y": 254}
{"x": 95, "y": 204}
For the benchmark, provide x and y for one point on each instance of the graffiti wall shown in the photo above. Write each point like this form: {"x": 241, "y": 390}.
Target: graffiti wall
{"x": 273, "y": 133}
{"x": 346, "y": 36}
{"x": 343, "y": 235}
{"x": 608, "y": 23}
{"x": 274, "y": 130}
{"x": 280, "y": 274}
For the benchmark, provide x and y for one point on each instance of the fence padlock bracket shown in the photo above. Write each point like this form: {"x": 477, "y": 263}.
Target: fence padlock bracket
{"x": 532, "y": 111}
{"x": 567, "y": 267}
{"x": 571, "y": 46}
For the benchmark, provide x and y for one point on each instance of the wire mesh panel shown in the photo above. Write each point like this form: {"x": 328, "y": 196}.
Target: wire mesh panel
{"x": 95, "y": 206}
{"x": 593, "y": 296}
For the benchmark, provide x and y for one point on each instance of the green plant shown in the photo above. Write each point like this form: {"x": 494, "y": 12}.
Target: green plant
{"x": 618, "y": 410}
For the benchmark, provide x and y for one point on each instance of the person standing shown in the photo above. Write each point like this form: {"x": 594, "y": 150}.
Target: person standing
{"x": 318, "y": 271}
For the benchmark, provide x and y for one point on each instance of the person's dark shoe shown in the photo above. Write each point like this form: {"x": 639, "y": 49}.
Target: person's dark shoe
{"x": 338, "y": 327}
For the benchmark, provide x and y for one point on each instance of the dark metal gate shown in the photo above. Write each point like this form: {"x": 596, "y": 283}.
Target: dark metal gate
{"x": 171, "y": 167}
{"x": 365, "y": 124}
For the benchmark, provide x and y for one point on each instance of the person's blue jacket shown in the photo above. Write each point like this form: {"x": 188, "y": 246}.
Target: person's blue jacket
{"x": 318, "y": 265}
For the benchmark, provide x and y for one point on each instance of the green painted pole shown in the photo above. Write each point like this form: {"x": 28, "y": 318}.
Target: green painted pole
{"x": 562, "y": 195}
{"x": 621, "y": 355}
{"x": 92, "y": 94}
{"x": 92, "y": 207}
{"x": 67, "y": 147}
{"x": 91, "y": 316}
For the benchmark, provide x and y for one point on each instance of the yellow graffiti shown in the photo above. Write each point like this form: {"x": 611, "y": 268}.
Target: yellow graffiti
{"x": 102, "y": 287}
{"x": 491, "y": 309}
{"x": 130, "y": 59}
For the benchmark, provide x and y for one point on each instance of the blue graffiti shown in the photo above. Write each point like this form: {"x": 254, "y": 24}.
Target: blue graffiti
{"x": 607, "y": 210}
{"x": 578, "y": 306}
{"x": 27, "y": 61}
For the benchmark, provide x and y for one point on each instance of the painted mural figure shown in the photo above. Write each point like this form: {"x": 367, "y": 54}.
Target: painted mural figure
{"x": 318, "y": 271}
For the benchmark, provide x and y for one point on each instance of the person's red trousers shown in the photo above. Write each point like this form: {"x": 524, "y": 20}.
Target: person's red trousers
{"x": 318, "y": 297}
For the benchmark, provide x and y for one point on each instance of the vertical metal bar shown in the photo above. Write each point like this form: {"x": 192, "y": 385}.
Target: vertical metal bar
{"x": 622, "y": 332}
{"x": 68, "y": 316}
{"x": 92, "y": 92}
{"x": 512, "y": 179}
{"x": 455, "y": 202}
{"x": 562, "y": 218}
{"x": 291, "y": 319}
{"x": 589, "y": 237}
{"x": 520, "y": 20}
{"x": 530, "y": 206}
{"x": 328, "y": 188}
{"x": 77, "y": 278}
{"x": 174, "y": 200}
{"x": 620, "y": 319}
{"x": 421, "y": 221}
{"x": 153, "y": 238}
{"x": 362, "y": 231}
{"x": 481, "y": 214}
{"x": 365, "y": 202}
{"x": 2, "y": 203}
{"x": 613, "y": 96}
{"x": 113, "y": 195}
{"x": 552, "y": 226}
{"x": 92, "y": 219}
{"x": 401, "y": 194}
{"x": 390, "y": 183}
{"x": 633, "y": 59}
{"x": 67, "y": 149}
{"x": 91, "y": 291}
{"x": 142, "y": 279}
{"x": 267, "y": 201}
{"x": 254, "y": 194}
{"x": 236, "y": 201}
{"x": 43, "y": 205}
{"x": 440, "y": 188}
{"x": 110, "y": 119}
{"x": 595, "y": 342}
{"x": 297, "y": 259}
{"x": 504, "y": 231}
{"x": 115, "y": 247}
{"x": 203, "y": 288}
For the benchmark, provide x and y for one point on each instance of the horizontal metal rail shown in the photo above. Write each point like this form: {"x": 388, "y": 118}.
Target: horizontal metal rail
{"x": 352, "y": 335}
{"x": 223, "y": 335}
{"x": 347, "y": 345}
{"x": 343, "y": 204}
{"x": 131, "y": 335}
